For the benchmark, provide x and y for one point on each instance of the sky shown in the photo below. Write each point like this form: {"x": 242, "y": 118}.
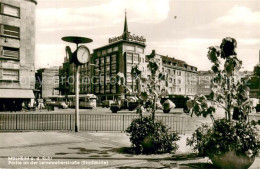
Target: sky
{"x": 182, "y": 29}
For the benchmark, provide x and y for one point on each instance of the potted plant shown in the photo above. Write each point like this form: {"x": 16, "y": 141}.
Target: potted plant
{"x": 227, "y": 142}
{"x": 168, "y": 105}
{"x": 148, "y": 135}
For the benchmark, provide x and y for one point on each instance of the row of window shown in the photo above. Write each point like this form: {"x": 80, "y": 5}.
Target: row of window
{"x": 9, "y": 74}
{"x": 9, "y": 52}
{"x": 106, "y": 51}
{"x": 85, "y": 89}
{"x": 174, "y": 81}
{"x": 109, "y": 89}
{"x": 9, "y": 10}
{"x": 191, "y": 90}
{"x": 173, "y": 89}
{"x": 134, "y": 49}
{"x": 171, "y": 71}
{"x": 132, "y": 58}
{"x": 169, "y": 63}
{"x": 10, "y": 31}
{"x": 177, "y": 64}
{"x": 106, "y": 65}
{"x": 107, "y": 60}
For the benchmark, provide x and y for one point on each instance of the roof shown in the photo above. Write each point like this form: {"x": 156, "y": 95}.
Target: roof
{"x": 209, "y": 72}
{"x": 121, "y": 41}
{"x": 173, "y": 60}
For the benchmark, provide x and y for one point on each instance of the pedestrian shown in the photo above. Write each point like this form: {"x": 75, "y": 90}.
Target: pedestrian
{"x": 34, "y": 106}
{"x": 23, "y": 106}
{"x": 13, "y": 106}
{"x": 4, "y": 107}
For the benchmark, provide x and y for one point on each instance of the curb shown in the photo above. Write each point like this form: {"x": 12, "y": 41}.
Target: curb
{"x": 175, "y": 158}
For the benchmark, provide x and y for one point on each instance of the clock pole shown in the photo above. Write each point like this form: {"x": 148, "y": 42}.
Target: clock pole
{"x": 73, "y": 59}
{"x": 77, "y": 123}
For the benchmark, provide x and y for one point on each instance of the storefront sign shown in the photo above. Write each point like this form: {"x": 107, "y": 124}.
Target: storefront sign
{"x": 129, "y": 37}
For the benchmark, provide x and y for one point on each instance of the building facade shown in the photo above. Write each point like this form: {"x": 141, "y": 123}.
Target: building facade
{"x": 119, "y": 56}
{"x": 66, "y": 77}
{"x": 181, "y": 78}
{"x": 100, "y": 75}
{"x": 85, "y": 72}
{"x": 47, "y": 82}
{"x": 205, "y": 82}
{"x": 17, "y": 53}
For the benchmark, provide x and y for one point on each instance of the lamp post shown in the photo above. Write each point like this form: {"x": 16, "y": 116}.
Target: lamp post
{"x": 79, "y": 57}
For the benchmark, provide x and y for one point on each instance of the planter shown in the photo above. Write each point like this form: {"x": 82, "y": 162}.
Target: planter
{"x": 166, "y": 111}
{"x": 147, "y": 145}
{"x": 231, "y": 160}
{"x": 167, "y": 106}
{"x": 114, "y": 109}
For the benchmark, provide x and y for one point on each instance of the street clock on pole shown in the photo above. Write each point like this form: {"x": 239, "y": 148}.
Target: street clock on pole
{"x": 82, "y": 54}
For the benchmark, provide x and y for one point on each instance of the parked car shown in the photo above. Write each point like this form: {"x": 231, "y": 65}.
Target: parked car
{"x": 107, "y": 103}
{"x": 62, "y": 105}
{"x": 131, "y": 103}
{"x": 180, "y": 101}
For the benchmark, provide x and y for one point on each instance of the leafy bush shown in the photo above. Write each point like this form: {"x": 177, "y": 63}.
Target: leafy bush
{"x": 231, "y": 94}
{"x": 151, "y": 137}
{"x": 224, "y": 136}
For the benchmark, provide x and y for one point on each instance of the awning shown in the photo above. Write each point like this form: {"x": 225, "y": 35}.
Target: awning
{"x": 16, "y": 94}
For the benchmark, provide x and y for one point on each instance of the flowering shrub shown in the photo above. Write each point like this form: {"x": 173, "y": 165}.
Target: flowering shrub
{"x": 150, "y": 137}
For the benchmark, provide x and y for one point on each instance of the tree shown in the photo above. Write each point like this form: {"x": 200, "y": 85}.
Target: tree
{"x": 146, "y": 134}
{"x": 148, "y": 90}
{"x": 226, "y": 137}
{"x": 257, "y": 70}
{"x": 228, "y": 91}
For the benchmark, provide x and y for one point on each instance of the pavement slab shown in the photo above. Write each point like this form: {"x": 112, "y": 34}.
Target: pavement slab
{"x": 22, "y": 139}
{"x": 88, "y": 150}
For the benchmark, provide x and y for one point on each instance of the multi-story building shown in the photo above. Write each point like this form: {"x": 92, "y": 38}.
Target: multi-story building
{"x": 254, "y": 85}
{"x": 47, "y": 81}
{"x": 119, "y": 56}
{"x": 17, "y": 51}
{"x": 100, "y": 74}
{"x": 66, "y": 76}
{"x": 205, "y": 82}
{"x": 85, "y": 72}
{"x": 181, "y": 77}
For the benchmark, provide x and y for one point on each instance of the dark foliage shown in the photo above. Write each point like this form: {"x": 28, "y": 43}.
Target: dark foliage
{"x": 228, "y": 46}
{"x": 150, "y": 137}
{"x": 224, "y": 136}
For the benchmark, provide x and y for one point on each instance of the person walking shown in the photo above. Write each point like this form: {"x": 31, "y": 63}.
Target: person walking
{"x": 13, "y": 106}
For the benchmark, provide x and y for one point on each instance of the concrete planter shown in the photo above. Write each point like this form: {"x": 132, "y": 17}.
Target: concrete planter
{"x": 231, "y": 160}
{"x": 147, "y": 145}
{"x": 167, "y": 106}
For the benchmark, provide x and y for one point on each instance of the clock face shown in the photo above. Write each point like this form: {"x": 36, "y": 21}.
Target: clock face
{"x": 82, "y": 54}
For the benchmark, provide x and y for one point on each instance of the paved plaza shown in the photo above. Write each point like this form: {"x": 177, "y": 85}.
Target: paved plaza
{"x": 88, "y": 150}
